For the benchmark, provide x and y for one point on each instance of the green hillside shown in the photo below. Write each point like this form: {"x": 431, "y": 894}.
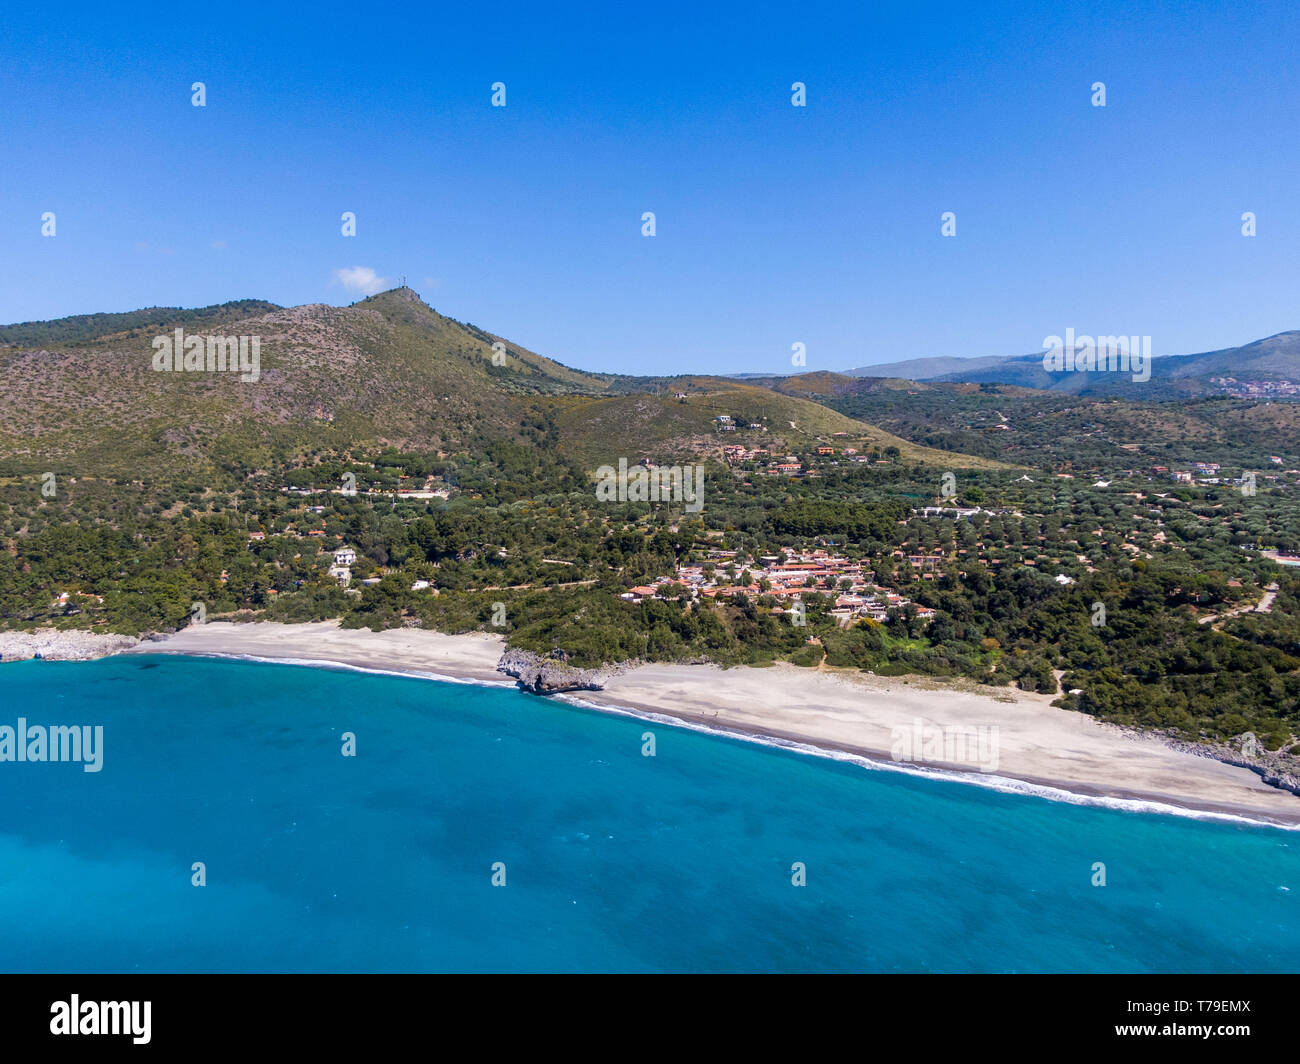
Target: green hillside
{"x": 661, "y": 426}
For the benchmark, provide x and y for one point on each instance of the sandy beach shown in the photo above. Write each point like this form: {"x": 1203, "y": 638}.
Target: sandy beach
{"x": 1008, "y": 735}
{"x": 472, "y": 656}
{"x": 1035, "y": 743}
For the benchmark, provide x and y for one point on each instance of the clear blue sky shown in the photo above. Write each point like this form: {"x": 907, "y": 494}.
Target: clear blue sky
{"x": 775, "y": 224}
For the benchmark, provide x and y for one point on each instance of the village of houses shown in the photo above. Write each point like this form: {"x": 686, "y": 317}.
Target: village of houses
{"x": 788, "y": 576}
{"x": 788, "y": 465}
{"x": 792, "y": 574}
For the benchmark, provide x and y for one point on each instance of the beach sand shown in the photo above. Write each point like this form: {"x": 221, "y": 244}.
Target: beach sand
{"x": 472, "y": 656}
{"x": 837, "y": 710}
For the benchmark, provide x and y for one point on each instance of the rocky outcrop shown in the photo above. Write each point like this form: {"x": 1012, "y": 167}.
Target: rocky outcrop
{"x": 552, "y": 674}
{"x": 61, "y": 644}
{"x": 1275, "y": 768}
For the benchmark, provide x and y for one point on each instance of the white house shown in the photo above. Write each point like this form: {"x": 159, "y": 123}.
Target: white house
{"x": 345, "y": 556}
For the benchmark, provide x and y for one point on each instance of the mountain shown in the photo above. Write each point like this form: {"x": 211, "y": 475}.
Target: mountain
{"x": 1273, "y": 358}
{"x": 82, "y": 395}
{"x": 89, "y": 328}
{"x": 1265, "y": 368}
{"x": 1034, "y": 427}
{"x": 920, "y": 369}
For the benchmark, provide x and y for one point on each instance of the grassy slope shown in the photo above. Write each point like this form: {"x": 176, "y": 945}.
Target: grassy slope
{"x": 659, "y": 426}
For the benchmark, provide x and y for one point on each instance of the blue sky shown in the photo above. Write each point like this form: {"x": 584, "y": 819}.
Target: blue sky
{"x": 775, "y": 224}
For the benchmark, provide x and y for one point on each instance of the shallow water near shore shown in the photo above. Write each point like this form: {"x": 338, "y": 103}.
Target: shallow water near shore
{"x": 613, "y": 861}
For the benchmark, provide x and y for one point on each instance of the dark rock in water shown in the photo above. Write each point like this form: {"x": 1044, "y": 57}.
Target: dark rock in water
{"x": 550, "y": 675}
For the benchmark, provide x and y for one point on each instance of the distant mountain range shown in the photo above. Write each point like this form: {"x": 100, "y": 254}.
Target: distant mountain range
{"x": 1267, "y": 368}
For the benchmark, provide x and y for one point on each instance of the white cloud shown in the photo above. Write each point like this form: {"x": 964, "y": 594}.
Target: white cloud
{"x": 361, "y": 279}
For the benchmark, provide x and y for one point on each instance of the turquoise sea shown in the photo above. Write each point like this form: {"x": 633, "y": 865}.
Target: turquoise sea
{"x": 613, "y": 861}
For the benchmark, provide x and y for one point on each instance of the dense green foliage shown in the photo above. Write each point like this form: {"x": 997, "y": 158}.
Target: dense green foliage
{"x": 523, "y": 529}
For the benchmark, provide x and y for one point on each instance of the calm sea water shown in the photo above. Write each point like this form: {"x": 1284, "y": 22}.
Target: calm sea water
{"x": 614, "y": 861}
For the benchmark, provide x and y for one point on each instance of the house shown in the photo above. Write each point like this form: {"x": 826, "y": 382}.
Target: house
{"x": 345, "y": 556}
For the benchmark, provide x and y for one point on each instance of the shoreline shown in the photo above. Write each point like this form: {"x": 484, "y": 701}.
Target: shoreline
{"x": 836, "y": 714}
{"x": 1257, "y": 803}
{"x": 1050, "y": 790}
